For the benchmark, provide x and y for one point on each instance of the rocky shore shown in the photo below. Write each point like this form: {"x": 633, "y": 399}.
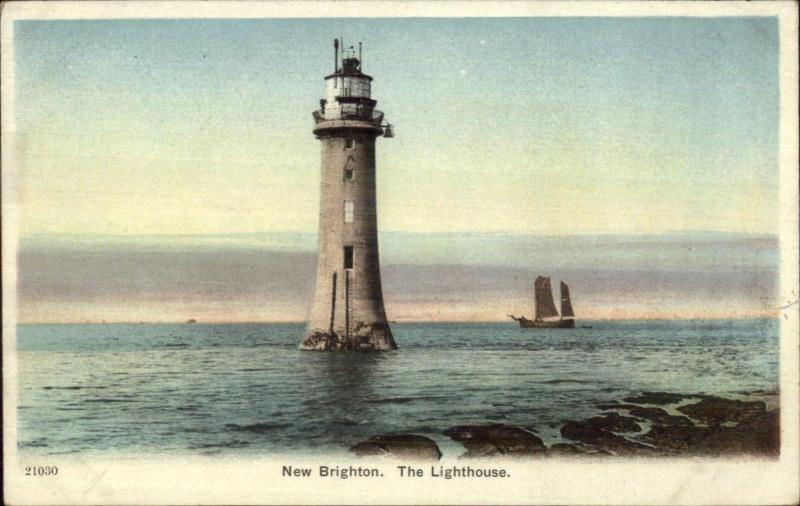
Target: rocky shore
{"x": 651, "y": 424}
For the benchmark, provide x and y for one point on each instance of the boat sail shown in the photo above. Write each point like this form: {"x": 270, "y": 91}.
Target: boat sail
{"x": 545, "y": 306}
{"x": 545, "y": 313}
{"x": 566, "y": 304}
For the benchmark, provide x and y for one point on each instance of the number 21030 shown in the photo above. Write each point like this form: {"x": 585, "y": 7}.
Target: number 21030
{"x": 41, "y": 470}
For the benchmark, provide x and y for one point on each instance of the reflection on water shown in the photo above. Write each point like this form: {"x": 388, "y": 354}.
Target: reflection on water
{"x": 337, "y": 386}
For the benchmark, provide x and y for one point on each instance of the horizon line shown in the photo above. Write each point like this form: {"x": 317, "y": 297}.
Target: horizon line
{"x": 391, "y": 322}
{"x": 451, "y": 232}
{"x": 719, "y": 234}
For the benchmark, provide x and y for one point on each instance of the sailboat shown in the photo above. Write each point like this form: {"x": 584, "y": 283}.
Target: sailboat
{"x": 546, "y": 313}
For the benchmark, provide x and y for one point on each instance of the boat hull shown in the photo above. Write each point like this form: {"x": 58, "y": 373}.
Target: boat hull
{"x": 556, "y": 324}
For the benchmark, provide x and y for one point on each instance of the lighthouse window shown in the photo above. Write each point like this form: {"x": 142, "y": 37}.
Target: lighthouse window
{"x": 348, "y": 211}
{"x": 348, "y": 257}
{"x": 348, "y": 174}
{"x": 351, "y": 143}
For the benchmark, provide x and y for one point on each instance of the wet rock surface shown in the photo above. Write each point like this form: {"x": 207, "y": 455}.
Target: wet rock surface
{"x": 613, "y": 422}
{"x": 496, "y": 440}
{"x": 757, "y": 435}
{"x": 686, "y": 425}
{"x": 659, "y": 416}
{"x": 679, "y": 425}
{"x": 673, "y": 439}
{"x": 598, "y": 434}
{"x": 375, "y": 337}
{"x": 656, "y": 398}
{"x": 706, "y": 426}
{"x": 716, "y": 410}
{"x": 566, "y": 449}
{"x": 615, "y": 405}
{"x": 404, "y": 446}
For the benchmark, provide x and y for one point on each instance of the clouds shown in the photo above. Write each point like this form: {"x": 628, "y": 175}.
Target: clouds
{"x": 425, "y": 277}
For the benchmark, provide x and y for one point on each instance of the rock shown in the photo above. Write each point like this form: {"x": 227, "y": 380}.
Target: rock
{"x": 714, "y": 426}
{"x": 496, "y": 439}
{"x": 567, "y": 449}
{"x": 593, "y": 432}
{"x": 614, "y": 405}
{"x": 756, "y": 431}
{"x": 614, "y": 422}
{"x": 405, "y": 446}
{"x": 676, "y": 438}
{"x": 656, "y": 398}
{"x": 758, "y": 435}
{"x": 659, "y": 416}
{"x": 716, "y": 410}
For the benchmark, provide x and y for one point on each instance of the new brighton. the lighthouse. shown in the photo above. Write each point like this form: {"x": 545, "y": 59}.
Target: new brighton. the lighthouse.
{"x": 347, "y": 311}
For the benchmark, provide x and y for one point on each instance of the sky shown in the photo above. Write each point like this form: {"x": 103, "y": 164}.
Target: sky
{"x": 167, "y": 169}
{"x": 426, "y": 277}
{"x": 507, "y": 125}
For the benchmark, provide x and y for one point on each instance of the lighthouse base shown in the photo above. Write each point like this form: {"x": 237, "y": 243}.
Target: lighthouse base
{"x": 373, "y": 337}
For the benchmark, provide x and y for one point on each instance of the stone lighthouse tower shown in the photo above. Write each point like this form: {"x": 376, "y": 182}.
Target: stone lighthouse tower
{"x": 347, "y": 311}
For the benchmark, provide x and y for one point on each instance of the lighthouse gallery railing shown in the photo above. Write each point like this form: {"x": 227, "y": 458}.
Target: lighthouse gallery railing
{"x": 375, "y": 117}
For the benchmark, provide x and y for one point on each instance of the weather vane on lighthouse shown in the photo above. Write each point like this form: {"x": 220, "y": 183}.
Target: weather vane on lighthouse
{"x": 347, "y": 312}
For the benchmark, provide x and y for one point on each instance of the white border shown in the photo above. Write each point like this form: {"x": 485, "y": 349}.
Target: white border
{"x": 208, "y": 481}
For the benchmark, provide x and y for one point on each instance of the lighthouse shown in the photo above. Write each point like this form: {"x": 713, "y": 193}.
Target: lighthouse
{"x": 347, "y": 311}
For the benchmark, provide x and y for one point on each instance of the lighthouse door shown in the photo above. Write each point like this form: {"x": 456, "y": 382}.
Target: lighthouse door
{"x": 348, "y": 257}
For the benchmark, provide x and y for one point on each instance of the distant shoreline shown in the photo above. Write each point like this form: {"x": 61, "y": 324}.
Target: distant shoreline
{"x": 400, "y": 322}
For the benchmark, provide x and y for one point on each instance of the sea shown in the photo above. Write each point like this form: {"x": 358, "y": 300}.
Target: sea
{"x": 247, "y": 390}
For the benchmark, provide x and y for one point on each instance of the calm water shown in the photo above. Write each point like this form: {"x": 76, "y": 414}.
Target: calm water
{"x": 246, "y": 388}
